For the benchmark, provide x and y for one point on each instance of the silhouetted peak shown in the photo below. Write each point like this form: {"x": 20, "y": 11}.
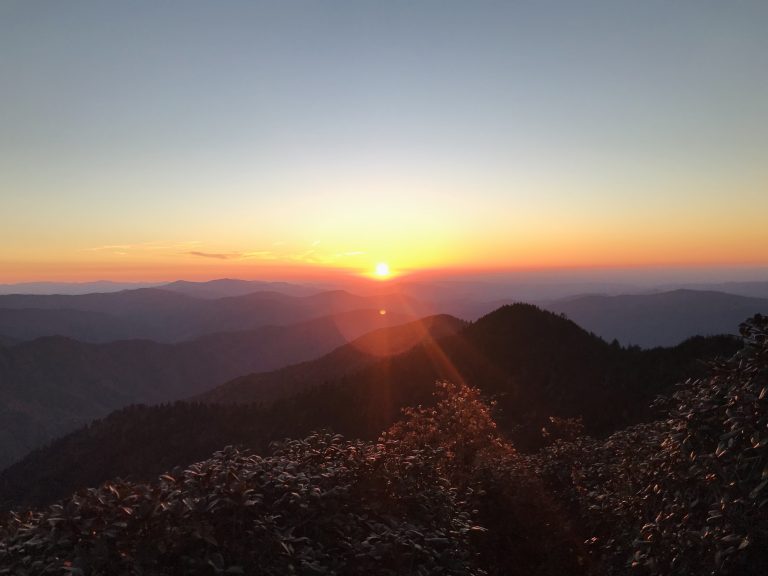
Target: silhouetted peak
{"x": 524, "y": 316}
{"x": 519, "y": 332}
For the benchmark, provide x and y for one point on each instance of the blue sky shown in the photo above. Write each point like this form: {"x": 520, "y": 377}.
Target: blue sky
{"x": 431, "y": 134}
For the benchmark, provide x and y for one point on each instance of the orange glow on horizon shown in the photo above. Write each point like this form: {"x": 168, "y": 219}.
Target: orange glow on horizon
{"x": 169, "y": 262}
{"x": 15, "y": 272}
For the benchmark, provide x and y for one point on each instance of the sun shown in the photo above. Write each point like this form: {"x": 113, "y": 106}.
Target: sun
{"x": 382, "y": 270}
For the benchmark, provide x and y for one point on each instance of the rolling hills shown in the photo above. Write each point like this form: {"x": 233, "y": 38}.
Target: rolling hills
{"x": 170, "y": 316}
{"x": 663, "y": 319}
{"x": 225, "y": 287}
{"x": 266, "y": 387}
{"x": 536, "y": 364}
{"x": 51, "y": 385}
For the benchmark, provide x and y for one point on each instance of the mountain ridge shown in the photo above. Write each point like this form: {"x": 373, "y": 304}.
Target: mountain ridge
{"x": 270, "y": 386}
{"x": 167, "y": 316}
{"x": 561, "y": 371}
{"x": 660, "y": 319}
{"x": 52, "y": 384}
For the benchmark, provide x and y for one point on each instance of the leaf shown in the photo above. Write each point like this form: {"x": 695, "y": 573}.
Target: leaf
{"x": 744, "y": 543}
{"x": 757, "y": 489}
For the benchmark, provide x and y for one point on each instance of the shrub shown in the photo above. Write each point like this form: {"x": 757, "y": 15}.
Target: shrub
{"x": 685, "y": 495}
{"x": 321, "y": 505}
{"x": 523, "y": 531}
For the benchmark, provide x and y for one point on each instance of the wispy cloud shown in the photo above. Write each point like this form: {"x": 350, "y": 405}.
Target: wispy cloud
{"x": 259, "y": 255}
{"x": 308, "y": 256}
{"x": 143, "y": 246}
{"x": 278, "y": 250}
{"x": 110, "y": 247}
{"x": 229, "y": 256}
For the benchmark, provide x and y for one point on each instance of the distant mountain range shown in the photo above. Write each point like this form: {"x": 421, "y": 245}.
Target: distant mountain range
{"x": 71, "y": 287}
{"x": 482, "y": 289}
{"x": 183, "y": 310}
{"x": 51, "y": 385}
{"x": 219, "y": 288}
{"x": 225, "y": 287}
{"x": 535, "y": 363}
{"x": 646, "y": 320}
{"x": 663, "y": 319}
{"x": 171, "y": 316}
{"x": 752, "y": 289}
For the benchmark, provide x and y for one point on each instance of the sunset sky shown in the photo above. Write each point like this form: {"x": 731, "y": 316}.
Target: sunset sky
{"x": 183, "y": 139}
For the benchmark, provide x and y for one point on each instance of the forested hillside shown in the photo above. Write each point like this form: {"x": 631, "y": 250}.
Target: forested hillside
{"x": 266, "y": 387}
{"x": 442, "y": 491}
{"x": 534, "y": 364}
{"x": 52, "y": 385}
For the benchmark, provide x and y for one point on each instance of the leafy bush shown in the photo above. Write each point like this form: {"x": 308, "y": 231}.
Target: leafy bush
{"x": 685, "y": 495}
{"x": 523, "y": 530}
{"x": 712, "y": 491}
{"x": 320, "y": 505}
{"x": 407, "y": 504}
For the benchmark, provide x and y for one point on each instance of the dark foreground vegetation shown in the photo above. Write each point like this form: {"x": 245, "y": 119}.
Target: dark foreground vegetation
{"x": 443, "y": 491}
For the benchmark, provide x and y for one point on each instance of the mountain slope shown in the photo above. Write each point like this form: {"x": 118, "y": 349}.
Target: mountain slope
{"x": 663, "y": 319}
{"x": 268, "y": 386}
{"x": 51, "y": 385}
{"x": 87, "y": 326}
{"x": 536, "y": 364}
{"x": 531, "y": 358}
